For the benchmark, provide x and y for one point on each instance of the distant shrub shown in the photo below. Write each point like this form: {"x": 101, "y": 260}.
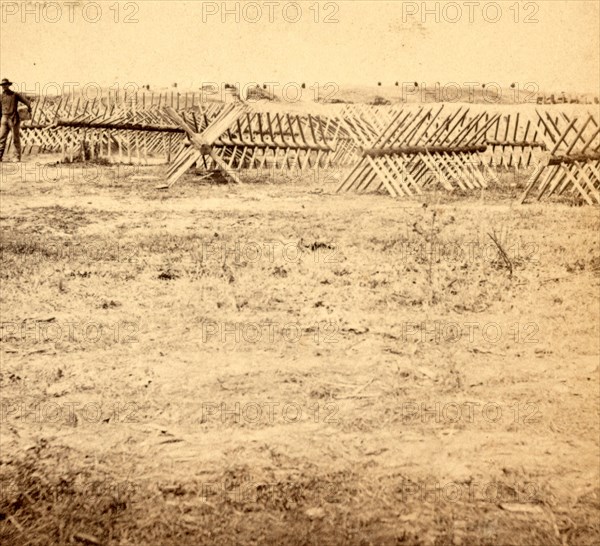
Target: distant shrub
{"x": 379, "y": 101}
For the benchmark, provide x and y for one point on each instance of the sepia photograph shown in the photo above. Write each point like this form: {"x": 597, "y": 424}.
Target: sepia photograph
{"x": 305, "y": 273}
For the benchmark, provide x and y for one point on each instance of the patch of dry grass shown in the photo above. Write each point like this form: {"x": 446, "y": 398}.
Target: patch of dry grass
{"x": 142, "y": 305}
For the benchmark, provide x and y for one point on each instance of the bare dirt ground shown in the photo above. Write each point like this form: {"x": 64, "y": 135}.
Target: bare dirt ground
{"x": 275, "y": 363}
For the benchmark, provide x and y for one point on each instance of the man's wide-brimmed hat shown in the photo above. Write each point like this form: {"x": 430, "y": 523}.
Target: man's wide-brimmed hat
{"x": 6, "y": 82}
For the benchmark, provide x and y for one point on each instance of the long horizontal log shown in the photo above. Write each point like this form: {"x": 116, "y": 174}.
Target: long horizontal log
{"x": 27, "y": 127}
{"x": 223, "y": 141}
{"x": 516, "y": 144}
{"x": 569, "y": 159}
{"x": 117, "y": 126}
{"x": 413, "y": 150}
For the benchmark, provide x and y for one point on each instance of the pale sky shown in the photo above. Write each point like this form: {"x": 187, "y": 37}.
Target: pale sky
{"x": 368, "y": 41}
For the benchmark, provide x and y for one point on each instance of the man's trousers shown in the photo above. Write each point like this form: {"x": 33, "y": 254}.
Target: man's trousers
{"x": 8, "y": 124}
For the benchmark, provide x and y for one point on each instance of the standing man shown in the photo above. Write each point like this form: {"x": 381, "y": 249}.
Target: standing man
{"x": 9, "y": 117}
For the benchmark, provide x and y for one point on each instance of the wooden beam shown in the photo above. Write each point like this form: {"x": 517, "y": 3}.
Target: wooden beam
{"x": 413, "y": 150}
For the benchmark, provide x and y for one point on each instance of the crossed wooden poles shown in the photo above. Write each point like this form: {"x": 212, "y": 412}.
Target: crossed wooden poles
{"x": 573, "y": 164}
{"x": 110, "y": 129}
{"x": 514, "y": 141}
{"x": 282, "y": 140}
{"x": 402, "y": 149}
{"x": 416, "y": 148}
{"x": 229, "y": 137}
{"x": 238, "y": 138}
{"x": 202, "y": 144}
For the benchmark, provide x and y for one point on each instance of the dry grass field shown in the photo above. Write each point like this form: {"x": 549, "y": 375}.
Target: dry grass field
{"x": 275, "y": 363}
